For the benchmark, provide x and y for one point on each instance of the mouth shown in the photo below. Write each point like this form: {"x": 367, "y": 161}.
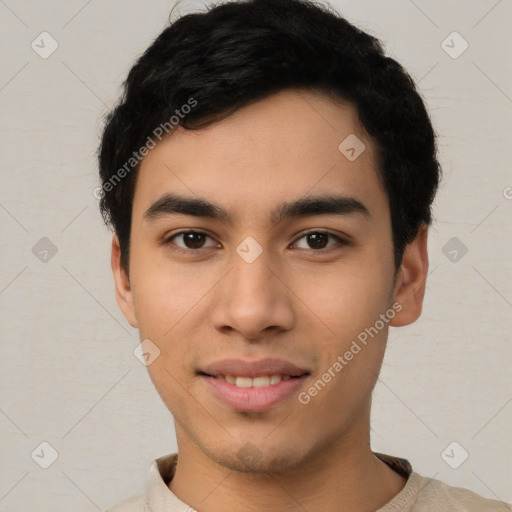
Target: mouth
{"x": 253, "y": 386}
{"x": 262, "y": 381}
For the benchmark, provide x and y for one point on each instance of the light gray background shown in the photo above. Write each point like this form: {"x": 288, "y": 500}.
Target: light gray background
{"x": 67, "y": 372}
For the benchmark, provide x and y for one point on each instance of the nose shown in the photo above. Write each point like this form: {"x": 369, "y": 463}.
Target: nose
{"x": 253, "y": 300}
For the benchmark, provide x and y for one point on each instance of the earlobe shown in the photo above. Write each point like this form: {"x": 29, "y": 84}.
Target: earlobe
{"x": 124, "y": 295}
{"x": 411, "y": 280}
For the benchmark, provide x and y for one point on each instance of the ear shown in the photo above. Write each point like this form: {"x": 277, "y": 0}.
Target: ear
{"x": 124, "y": 295}
{"x": 410, "y": 282}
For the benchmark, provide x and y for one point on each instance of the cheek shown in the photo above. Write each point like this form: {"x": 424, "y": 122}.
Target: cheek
{"x": 164, "y": 295}
{"x": 348, "y": 309}
{"x": 346, "y": 299}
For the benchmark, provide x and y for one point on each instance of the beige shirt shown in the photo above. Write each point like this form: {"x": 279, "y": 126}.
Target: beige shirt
{"x": 420, "y": 494}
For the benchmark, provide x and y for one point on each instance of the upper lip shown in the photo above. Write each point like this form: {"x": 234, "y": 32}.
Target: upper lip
{"x": 257, "y": 368}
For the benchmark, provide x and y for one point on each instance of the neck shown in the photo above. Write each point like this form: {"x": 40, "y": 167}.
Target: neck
{"x": 345, "y": 474}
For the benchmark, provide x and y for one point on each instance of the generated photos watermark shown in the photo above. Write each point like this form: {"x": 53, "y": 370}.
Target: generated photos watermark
{"x": 355, "y": 348}
{"x": 158, "y": 133}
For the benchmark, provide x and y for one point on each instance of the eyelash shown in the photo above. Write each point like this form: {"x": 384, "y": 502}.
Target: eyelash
{"x": 168, "y": 241}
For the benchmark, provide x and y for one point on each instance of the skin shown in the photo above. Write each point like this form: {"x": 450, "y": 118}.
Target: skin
{"x": 296, "y": 301}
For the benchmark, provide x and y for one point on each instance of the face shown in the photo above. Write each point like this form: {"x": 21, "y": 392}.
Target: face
{"x": 260, "y": 256}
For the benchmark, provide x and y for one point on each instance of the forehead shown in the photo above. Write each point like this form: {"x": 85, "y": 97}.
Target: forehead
{"x": 289, "y": 145}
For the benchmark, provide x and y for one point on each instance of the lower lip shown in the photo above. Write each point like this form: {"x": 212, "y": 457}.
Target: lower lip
{"x": 253, "y": 399}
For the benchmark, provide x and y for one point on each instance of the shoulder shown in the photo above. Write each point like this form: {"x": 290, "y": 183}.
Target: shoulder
{"x": 434, "y": 495}
{"x": 136, "y": 503}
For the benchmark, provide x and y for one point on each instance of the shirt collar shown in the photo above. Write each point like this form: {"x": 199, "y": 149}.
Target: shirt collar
{"x": 160, "y": 498}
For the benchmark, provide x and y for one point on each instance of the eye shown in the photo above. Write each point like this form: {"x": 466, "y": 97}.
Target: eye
{"x": 190, "y": 239}
{"x": 317, "y": 240}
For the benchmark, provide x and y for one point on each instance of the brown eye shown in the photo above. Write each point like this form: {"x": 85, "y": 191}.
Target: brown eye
{"x": 318, "y": 240}
{"x": 193, "y": 240}
{"x": 189, "y": 240}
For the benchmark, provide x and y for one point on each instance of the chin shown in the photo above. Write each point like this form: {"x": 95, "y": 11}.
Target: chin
{"x": 250, "y": 459}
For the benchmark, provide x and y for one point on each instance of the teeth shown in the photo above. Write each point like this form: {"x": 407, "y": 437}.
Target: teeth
{"x": 243, "y": 382}
{"x": 258, "y": 382}
{"x": 261, "y": 382}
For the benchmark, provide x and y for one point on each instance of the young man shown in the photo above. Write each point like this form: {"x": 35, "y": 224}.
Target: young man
{"x": 269, "y": 175}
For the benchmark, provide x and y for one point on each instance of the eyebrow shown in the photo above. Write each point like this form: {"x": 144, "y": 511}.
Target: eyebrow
{"x": 172, "y": 204}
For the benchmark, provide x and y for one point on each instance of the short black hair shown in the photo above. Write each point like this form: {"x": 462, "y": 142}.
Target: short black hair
{"x": 239, "y": 52}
